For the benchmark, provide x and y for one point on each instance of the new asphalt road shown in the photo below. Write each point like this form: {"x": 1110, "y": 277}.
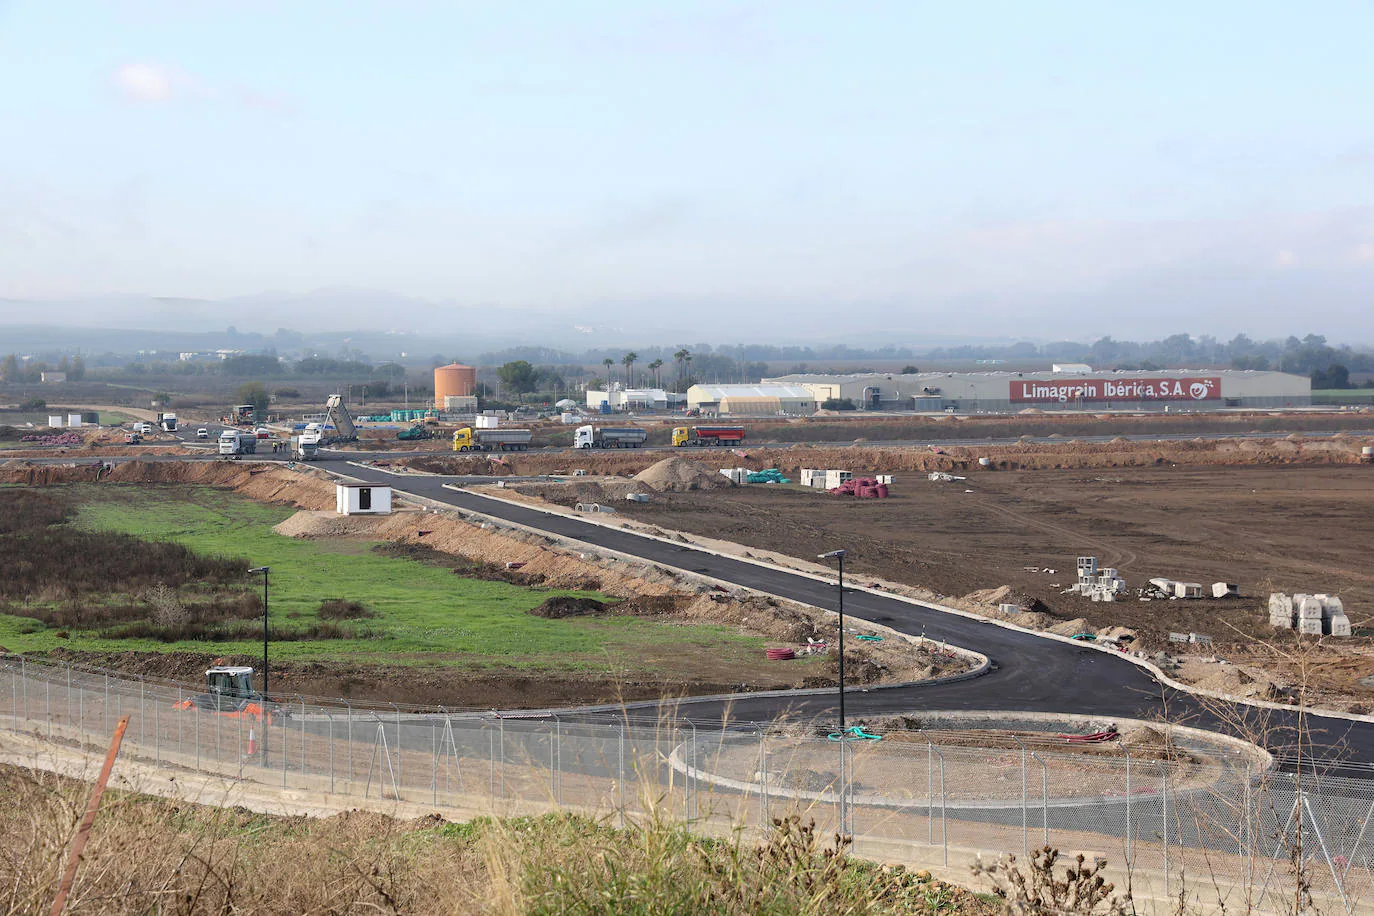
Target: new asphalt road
{"x": 1030, "y": 673}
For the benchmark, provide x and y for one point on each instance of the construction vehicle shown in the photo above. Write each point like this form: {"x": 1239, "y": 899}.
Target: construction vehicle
{"x": 337, "y": 414}
{"x": 609, "y": 437}
{"x": 468, "y": 439}
{"x": 306, "y": 446}
{"x": 229, "y": 692}
{"x": 242, "y": 415}
{"x": 415, "y": 433}
{"x": 235, "y": 442}
{"x": 168, "y": 422}
{"x": 707, "y": 435}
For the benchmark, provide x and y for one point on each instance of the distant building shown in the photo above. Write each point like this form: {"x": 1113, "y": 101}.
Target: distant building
{"x": 1006, "y": 392}
{"x": 631, "y": 399}
{"x": 766, "y": 400}
{"x": 53, "y": 378}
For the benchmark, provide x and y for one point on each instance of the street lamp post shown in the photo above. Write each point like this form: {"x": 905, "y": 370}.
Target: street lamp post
{"x": 839, "y": 555}
{"x": 264, "y": 570}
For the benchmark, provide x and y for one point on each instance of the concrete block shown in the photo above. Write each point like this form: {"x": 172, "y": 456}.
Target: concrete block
{"x": 1310, "y": 626}
{"x": 1224, "y": 590}
{"x": 1311, "y": 608}
{"x": 1338, "y": 625}
{"x": 1279, "y": 602}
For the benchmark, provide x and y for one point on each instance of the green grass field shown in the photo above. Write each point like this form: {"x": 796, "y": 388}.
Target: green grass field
{"x": 424, "y": 613}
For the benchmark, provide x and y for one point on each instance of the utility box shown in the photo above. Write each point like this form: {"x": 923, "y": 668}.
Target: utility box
{"x": 362, "y": 499}
{"x": 487, "y": 421}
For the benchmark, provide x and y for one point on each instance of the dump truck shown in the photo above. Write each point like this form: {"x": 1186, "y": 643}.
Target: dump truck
{"x": 609, "y": 437}
{"x": 305, "y": 447}
{"x": 707, "y": 435}
{"x": 229, "y": 692}
{"x": 468, "y": 439}
{"x": 242, "y": 415}
{"x": 235, "y": 442}
{"x": 168, "y": 422}
{"x": 415, "y": 433}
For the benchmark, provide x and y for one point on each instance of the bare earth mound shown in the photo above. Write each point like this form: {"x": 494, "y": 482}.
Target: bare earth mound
{"x": 677, "y": 475}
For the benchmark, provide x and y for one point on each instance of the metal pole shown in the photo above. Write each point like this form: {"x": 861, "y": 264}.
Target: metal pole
{"x": 400, "y": 776}
{"x": 157, "y": 731}
{"x": 349, "y": 707}
{"x": 1044, "y": 795}
{"x": 434, "y": 777}
{"x": 1245, "y": 850}
{"x": 692, "y": 811}
{"x": 331, "y": 748}
{"x": 24, "y": 681}
{"x": 841, "y": 648}
{"x": 501, "y": 723}
{"x": 621, "y": 780}
{"x": 763, "y": 781}
{"x": 299, "y": 697}
{"x": 142, "y": 742}
{"x": 1164, "y": 801}
{"x": 558, "y": 759}
{"x": 1025, "y": 817}
{"x": 1129, "y": 838}
{"x": 264, "y": 631}
{"x": 944, "y": 811}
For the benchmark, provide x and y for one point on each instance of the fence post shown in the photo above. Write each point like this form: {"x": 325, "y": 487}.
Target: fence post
{"x": 1246, "y": 852}
{"x": 501, "y": 724}
{"x": 69, "y": 694}
{"x": 157, "y": 731}
{"x": 491, "y": 761}
{"x": 1025, "y": 816}
{"x": 1164, "y": 803}
{"x": 692, "y": 772}
{"x": 299, "y": 697}
{"x": 24, "y": 686}
{"x": 349, "y": 707}
{"x": 47, "y": 703}
{"x": 1044, "y": 795}
{"x": 400, "y": 774}
{"x": 763, "y": 783}
{"x": 620, "y": 781}
{"x": 558, "y": 760}
{"x": 142, "y": 741}
{"x": 553, "y": 767}
{"x": 330, "y": 716}
{"x": 434, "y": 779}
{"x": 197, "y": 714}
{"x": 1129, "y": 838}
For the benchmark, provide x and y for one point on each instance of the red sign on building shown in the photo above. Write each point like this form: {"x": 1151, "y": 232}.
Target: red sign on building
{"x": 1068, "y": 390}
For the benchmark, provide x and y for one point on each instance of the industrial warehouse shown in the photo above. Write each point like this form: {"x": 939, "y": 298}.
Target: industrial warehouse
{"x": 1064, "y": 387}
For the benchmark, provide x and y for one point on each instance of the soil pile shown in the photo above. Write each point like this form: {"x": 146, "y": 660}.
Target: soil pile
{"x": 1144, "y": 736}
{"x": 560, "y": 606}
{"x": 678, "y": 475}
{"x": 308, "y": 525}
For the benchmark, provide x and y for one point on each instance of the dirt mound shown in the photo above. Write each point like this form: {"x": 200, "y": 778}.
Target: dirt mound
{"x": 309, "y": 524}
{"x": 1071, "y": 627}
{"x": 678, "y": 475}
{"x": 1144, "y": 736}
{"x": 561, "y": 606}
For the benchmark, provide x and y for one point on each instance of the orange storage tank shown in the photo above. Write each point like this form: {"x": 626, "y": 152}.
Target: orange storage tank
{"x": 453, "y": 381}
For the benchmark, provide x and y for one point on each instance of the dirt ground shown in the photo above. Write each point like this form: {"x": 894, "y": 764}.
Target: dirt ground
{"x": 995, "y": 537}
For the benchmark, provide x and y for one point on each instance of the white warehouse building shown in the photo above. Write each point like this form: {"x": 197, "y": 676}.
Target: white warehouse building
{"x": 1074, "y": 388}
{"x": 766, "y": 400}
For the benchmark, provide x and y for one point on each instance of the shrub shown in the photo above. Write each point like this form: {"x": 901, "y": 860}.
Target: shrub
{"x": 341, "y": 609}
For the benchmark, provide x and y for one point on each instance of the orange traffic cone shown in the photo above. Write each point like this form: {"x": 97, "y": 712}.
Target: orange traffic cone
{"x": 252, "y": 743}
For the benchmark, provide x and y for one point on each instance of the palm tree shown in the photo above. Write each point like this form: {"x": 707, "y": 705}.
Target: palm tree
{"x": 681, "y": 357}
{"x": 655, "y": 366}
{"x": 608, "y": 363}
{"x": 629, "y": 361}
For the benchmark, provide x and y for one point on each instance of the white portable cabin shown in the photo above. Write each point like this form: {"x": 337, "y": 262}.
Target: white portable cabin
{"x": 362, "y": 499}
{"x": 55, "y": 421}
{"x": 74, "y": 420}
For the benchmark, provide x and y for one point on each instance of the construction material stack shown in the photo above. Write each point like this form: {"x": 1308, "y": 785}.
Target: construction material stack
{"x": 1311, "y": 615}
{"x": 1103, "y": 584}
{"x": 862, "y": 488}
{"x": 772, "y": 475}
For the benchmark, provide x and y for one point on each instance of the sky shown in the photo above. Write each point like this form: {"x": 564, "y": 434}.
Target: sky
{"x": 1033, "y": 169}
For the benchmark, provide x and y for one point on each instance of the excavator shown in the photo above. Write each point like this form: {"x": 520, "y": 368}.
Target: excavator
{"x": 229, "y": 692}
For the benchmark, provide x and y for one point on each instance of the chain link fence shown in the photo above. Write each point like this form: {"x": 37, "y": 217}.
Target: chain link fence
{"x": 1189, "y": 823}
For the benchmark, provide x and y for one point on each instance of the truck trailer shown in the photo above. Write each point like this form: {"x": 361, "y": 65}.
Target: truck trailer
{"x": 234, "y": 442}
{"x": 468, "y": 439}
{"x": 609, "y": 437}
{"x": 707, "y": 435}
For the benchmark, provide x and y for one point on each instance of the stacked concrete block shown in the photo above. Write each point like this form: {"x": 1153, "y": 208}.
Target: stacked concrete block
{"x": 1280, "y": 611}
{"x": 1311, "y": 615}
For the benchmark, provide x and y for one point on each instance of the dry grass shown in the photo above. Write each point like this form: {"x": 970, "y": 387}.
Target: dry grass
{"x": 198, "y": 859}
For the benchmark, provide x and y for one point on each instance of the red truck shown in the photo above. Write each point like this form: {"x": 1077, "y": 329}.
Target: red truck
{"x": 708, "y": 435}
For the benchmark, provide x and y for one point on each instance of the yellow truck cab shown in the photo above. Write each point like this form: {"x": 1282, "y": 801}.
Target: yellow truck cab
{"x": 462, "y": 439}
{"x": 680, "y": 436}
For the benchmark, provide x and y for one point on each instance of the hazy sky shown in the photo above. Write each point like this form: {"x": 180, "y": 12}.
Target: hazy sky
{"x": 1041, "y": 168}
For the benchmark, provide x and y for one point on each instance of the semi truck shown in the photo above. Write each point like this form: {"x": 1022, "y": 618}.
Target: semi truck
{"x": 468, "y": 439}
{"x": 234, "y": 442}
{"x": 707, "y": 435}
{"x": 609, "y": 437}
{"x": 168, "y": 422}
{"x": 306, "y": 446}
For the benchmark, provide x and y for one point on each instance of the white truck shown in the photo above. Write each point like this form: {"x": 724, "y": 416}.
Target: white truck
{"x": 306, "y": 446}
{"x": 234, "y": 442}
{"x": 468, "y": 439}
{"x": 609, "y": 437}
{"x": 168, "y": 422}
